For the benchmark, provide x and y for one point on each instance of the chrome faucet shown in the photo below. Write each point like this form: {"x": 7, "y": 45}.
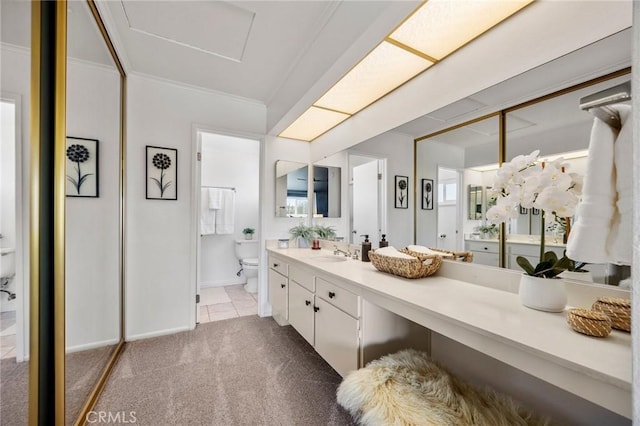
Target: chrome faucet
{"x": 337, "y": 251}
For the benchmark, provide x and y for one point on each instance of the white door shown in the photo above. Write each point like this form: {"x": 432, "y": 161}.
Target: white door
{"x": 336, "y": 337}
{"x": 365, "y": 202}
{"x": 448, "y": 209}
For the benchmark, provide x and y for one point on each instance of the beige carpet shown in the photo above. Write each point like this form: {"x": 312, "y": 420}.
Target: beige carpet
{"x": 241, "y": 371}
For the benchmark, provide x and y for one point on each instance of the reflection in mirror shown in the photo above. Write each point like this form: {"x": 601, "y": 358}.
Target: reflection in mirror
{"x": 15, "y": 71}
{"x": 461, "y": 161}
{"x": 558, "y": 128}
{"x": 292, "y": 179}
{"x": 92, "y": 207}
{"x": 327, "y": 186}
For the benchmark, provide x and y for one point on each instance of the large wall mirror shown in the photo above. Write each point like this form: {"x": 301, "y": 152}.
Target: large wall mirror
{"x": 292, "y": 180}
{"x": 89, "y": 336}
{"x": 94, "y": 199}
{"x": 462, "y": 159}
{"x": 458, "y": 163}
{"x": 559, "y": 129}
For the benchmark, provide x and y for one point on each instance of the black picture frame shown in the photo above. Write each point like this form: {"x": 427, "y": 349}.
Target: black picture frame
{"x": 83, "y": 167}
{"x": 161, "y": 173}
{"x": 523, "y": 210}
{"x": 427, "y": 194}
{"x": 401, "y": 192}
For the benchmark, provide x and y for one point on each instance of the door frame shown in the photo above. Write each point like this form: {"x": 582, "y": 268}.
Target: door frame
{"x": 196, "y": 181}
{"x": 382, "y": 193}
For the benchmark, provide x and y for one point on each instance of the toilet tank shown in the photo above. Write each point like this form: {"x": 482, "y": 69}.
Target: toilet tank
{"x": 246, "y": 248}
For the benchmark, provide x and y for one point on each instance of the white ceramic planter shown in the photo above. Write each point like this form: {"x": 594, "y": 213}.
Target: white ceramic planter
{"x": 248, "y": 236}
{"x": 577, "y": 276}
{"x": 543, "y": 294}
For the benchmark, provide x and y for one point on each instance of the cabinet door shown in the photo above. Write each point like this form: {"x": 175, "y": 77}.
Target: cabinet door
{"x": 278, "y": 291}
{"x": 336, "y": 337}
{"x": 301, "y": 310}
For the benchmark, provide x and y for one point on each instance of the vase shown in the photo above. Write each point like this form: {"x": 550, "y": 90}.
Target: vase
{"x": 248, "y": 236}
{"x": 577, "y": 276}
{"x": 302, "y": 243}
{"x": 543, "y": 294}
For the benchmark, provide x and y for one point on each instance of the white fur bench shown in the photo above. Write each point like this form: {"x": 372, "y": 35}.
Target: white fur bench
{"x": 407, "y": 388}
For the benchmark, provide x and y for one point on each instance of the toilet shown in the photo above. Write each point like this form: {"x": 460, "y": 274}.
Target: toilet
{"x": 247, "y": 254}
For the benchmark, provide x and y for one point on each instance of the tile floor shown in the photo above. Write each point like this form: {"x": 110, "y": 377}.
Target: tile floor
{"x": 220, "y": 303}
{"x": 8, "y": 334}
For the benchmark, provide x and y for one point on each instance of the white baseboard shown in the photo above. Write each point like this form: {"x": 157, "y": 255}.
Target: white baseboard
{"x": 92, "y": 345}
{"x": 222, "y": 283}
{"x": 157, "y": 333}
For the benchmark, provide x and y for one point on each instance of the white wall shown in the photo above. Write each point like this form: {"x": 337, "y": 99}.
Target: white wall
{"x": 8, "y": 195}
{"x": 92, "y": 230}
{"x": 229, "y": 162}
{"x": 161, "y": 235}
{"x": 397, "y": 148}
{"x": 432, "y": 155}
{"x": 15, "y": 81}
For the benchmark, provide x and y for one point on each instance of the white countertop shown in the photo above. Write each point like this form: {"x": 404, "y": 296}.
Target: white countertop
{"x": 439, "y": 303}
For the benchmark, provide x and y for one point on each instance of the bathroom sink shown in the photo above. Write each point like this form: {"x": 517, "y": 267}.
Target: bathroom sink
{"x": 330, "y": 259}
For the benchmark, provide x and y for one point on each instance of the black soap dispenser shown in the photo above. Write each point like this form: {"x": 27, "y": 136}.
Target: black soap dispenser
{"x": 383, "y": 241}
{"x": 366, "y": 247}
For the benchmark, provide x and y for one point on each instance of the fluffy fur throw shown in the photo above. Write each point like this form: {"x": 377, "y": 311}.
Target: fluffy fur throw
{"x": 407, "y": 388}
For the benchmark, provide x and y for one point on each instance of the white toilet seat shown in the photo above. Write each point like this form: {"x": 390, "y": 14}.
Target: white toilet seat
{"x": 252, "y": 261}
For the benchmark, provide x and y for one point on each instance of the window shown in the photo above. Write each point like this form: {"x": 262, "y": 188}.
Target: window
{"x": 447, "y": 192}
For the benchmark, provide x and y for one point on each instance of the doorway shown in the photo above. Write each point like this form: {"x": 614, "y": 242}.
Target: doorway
{"x": 368, "y": 195}
{"x": 227, "y": 191}
{"x": 448, "y": 191}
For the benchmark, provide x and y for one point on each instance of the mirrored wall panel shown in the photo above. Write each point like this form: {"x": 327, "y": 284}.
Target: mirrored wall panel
{"x": 561, "y": 131}
{"x": 93, "y": 228}
{"x": 292, "y": 180}
{"x": 454, "y": 170}
{"x": 327, "y": 186}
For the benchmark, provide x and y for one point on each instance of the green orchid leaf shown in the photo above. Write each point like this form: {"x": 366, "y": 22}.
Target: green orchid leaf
{"x": 550, "y": 256}
{"x": 526, "y": 265}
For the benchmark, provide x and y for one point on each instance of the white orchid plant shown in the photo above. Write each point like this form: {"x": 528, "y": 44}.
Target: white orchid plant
{"x": 530, "y": 182}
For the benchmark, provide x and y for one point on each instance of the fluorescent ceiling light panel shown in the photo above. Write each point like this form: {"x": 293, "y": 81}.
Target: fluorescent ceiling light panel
{"x": 381, "y": 71}
{"x": 441, "y": 26}
{"x": 312, "y": 123}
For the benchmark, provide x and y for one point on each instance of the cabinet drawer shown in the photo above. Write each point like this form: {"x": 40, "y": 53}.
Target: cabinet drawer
{"x": 482, "y": 258}
{"x": 532, "y": 250}
{"x": 302, "y": 277}
{"x": 279, "y": 266}
{"x": 337, "y": 296}
{"x": 482, "y": 246}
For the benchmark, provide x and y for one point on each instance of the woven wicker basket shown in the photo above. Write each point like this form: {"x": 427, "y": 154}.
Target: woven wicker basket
{"x": 618, "y": 310}
{"x": 407, "y": 268}
{"x": 464, "y": 256}
{"x": 589, "y": 322}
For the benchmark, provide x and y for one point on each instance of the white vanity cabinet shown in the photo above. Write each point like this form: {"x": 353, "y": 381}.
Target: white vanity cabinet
{"x": 279, "y": 289}
{"x": 485, "y": 252}
{"x": 531, "y": 252}
{"x": 327, "y": 316}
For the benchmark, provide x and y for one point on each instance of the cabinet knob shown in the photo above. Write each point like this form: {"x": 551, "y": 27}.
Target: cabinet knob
{"x": 283, "y": 285}
{"x": 486, "y": 248}
{"x": 316, "y": 309}
{"x": 275, "y": 265}
{"x": 307, "y": 302}
{"x": 332, "y": 295}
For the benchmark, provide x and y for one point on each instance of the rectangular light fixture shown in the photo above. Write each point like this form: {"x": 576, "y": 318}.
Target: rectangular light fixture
{"x": 312, "y": 123}
{"x": 440, "y": 27}
{"x": 381, "y": 71}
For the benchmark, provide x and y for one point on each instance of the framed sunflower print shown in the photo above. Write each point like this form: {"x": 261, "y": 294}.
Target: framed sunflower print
{"x": 401, "y": 192}
{"x": 161, "y": 173}
{"x": 82, "y": 156}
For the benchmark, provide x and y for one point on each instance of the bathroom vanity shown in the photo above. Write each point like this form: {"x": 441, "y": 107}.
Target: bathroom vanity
{"x": 351, "y": 313}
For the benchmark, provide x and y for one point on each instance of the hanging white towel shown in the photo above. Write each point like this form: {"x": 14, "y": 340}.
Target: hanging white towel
{"x": 225, "y": 214}
{"x": 588, "y": 236}
{"x": 620, "y": 242}
{"x": 207, "y": 215}
{"x": 215, "y": 198}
